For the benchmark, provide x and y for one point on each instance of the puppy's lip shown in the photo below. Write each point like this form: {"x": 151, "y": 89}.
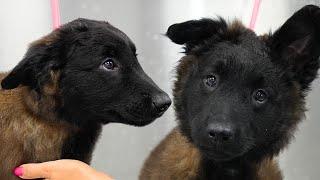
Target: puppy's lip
{"x": 158, "y": 115}
{"x": 140, "y": 122}
{"x": 134, "y": 119}
{"x": 218, "y": 156}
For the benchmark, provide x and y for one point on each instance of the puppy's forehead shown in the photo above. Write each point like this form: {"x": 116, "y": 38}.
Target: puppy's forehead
{"x": 98, "y": 32}
{"x": 244, "y": 60}
{"x": 247, "y": 50}
{"x": 109, "y": 34}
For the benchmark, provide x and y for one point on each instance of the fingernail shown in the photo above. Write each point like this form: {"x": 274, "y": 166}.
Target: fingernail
{"x": 18, "y": 171}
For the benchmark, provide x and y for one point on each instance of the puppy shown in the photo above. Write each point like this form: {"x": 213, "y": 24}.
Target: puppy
{"x": 70, "y": 83}
{"x": 238, "y": 98}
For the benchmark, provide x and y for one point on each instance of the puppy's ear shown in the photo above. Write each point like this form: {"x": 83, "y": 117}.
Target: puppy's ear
{"x": 296, "y": 45}
{"x": 193, "y": 32}
{"x": 34, "y": 69}
{"x": 46, "y": 55}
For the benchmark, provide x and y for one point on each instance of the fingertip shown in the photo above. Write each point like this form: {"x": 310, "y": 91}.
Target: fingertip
{"x": 29, "y": 171}
{"x": 18, "y": 171}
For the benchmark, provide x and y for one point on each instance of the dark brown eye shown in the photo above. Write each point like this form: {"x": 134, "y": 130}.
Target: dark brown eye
{"x": 108, "y": 64}
{"x": 211, "y": 80}
{"x": 260, "y": 96}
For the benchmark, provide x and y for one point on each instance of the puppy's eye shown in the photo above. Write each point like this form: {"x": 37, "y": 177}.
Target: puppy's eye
{"x": 211, "y": 80}
{"x": 108, "y": 64}
{"x": 260, "y": 96}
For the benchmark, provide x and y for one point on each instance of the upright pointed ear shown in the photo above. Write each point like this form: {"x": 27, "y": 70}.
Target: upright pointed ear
{"x": 193, "y": 32}
{"x": 296, "y": 45}
{"x": 34, "y": 69}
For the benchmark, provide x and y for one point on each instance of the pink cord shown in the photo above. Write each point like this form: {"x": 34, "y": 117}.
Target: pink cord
{"x": 55, "y": 12}
{"x": 255, "y": 13}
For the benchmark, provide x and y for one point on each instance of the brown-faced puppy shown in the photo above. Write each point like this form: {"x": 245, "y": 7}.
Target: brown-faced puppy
{"x": 238, "y": 98}
{"x": 70, "y": 83}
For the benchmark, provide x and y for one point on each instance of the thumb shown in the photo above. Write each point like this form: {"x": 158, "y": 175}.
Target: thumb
{"x": 33, "y": 171}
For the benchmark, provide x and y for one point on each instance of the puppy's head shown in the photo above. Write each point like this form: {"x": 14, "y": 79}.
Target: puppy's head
{"x": 99, "y": 77}
{"x": 238, "y": 94}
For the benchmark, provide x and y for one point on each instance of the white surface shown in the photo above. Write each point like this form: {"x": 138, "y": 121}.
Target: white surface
{"x": 20, "y": 23}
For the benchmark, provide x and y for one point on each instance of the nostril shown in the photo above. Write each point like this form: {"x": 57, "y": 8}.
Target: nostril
{"x": 161, "y": 103}
{"x": 164, "y": 107}
{"x": 212, "y": 134}
{"x": 161, "y": 107}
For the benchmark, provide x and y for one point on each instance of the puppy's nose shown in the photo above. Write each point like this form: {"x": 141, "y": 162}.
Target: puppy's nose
{"x": 222, "y": 133}
{"x": 161, "y": 102}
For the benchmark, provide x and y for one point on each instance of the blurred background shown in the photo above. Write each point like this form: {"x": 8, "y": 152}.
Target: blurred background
{"x": 122, "y": 149}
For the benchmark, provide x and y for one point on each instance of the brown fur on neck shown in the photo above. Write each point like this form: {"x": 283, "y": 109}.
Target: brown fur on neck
{"x": 43, "y": 104}
{"x": 28, "y": 127}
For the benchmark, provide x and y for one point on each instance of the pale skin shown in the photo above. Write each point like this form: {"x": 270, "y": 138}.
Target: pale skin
{"x": 61, "y": 170}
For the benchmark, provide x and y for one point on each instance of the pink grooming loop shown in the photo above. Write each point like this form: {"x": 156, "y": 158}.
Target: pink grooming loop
{"x": 55, "y": 14}
{"x": 255, "y": 13}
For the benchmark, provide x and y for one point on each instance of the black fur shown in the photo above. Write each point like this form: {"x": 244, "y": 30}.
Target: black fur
{"x": 90, "y": 95}
{"x": 282, "y": 65}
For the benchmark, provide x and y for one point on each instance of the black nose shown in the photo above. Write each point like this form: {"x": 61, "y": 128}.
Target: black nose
{"x": 161, "y": 102}
{"x": 220, "y": 132}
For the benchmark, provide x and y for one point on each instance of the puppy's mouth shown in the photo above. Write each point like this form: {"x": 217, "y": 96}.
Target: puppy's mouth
{"x": 221, "y": 154}
{"x": 132, "y": 119}
{"x": 218, "y": 156}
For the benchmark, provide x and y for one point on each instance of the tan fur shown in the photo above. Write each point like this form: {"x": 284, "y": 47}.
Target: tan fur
{"x": 269, "y": 170}
{"x": 177, "y": 159}
{"x": 25, "y": 135}
{"x": 235, "y": 28}
{"x": 173, "y": 158}
{"x": 47, "y": 40}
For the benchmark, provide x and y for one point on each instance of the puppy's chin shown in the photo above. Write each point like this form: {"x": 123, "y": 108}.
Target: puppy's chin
{"x": 138, "y": 122}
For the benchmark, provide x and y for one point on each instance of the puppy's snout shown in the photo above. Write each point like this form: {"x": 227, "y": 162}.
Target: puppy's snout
{"x": 160, "y": 102}
{"x": 220, "y": 132}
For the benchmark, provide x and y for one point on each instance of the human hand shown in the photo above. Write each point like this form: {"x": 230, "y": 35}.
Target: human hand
{"x": 60, "y": 170}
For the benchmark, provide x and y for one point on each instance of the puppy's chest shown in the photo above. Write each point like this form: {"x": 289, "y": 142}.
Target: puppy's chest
{"x": 44, "y": 142}
{"x": 212, "y": 173}
{"x": 33, "y": 141}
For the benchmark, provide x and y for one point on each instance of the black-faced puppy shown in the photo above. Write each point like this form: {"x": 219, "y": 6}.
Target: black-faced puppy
{"x": 238, "y": 98}
{"x": 69, "y": 83}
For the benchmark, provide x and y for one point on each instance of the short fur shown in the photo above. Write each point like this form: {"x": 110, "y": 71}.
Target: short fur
{"x": 176, "y": 158}
{"x": 238, "y": 98}
{"x": 54, "y": 102}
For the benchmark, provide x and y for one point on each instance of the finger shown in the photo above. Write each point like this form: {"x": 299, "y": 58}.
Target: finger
{"x": 32, "y": 171}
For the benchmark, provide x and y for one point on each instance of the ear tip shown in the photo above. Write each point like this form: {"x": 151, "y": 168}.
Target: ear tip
{"x": 310, "y": 6}
{"x": 5, "y": 84}
{"x": 173, "y": 34}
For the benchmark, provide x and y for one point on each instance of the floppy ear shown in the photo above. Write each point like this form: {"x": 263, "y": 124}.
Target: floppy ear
{"x": 34, "y": 69}
{"x": 193, "y": 32}
{"x": 296, "y": 45}
{"x": 44, "y": 56}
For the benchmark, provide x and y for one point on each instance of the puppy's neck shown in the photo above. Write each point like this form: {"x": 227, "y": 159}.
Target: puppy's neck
{"x": 44, "y": 102}
{"x": 42, "y": 106}
{"x": 236, "y": 169}
{"x": 240, "y": 169}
